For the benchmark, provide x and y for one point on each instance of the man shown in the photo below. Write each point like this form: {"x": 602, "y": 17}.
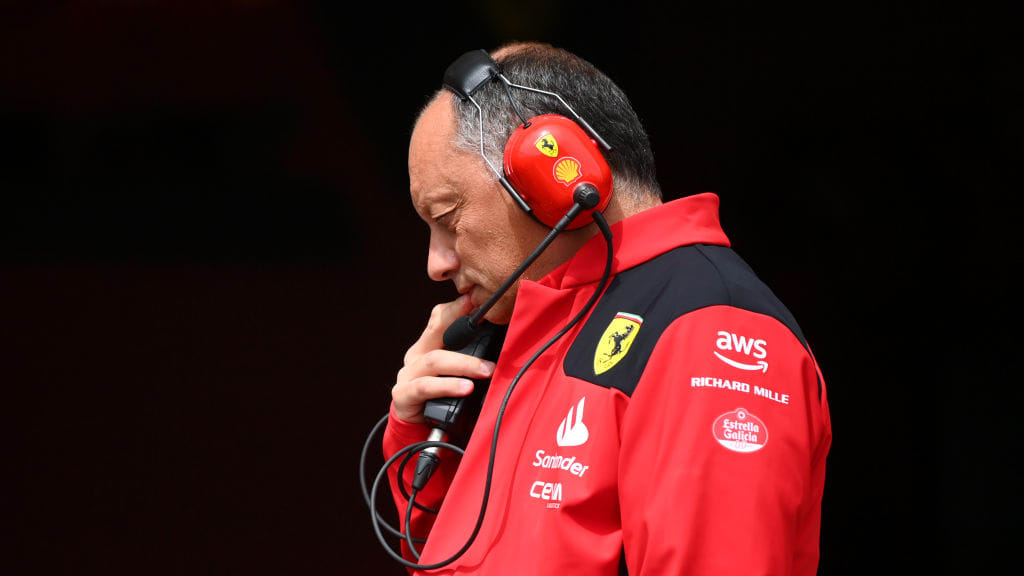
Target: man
{"x": 680, "y": 428}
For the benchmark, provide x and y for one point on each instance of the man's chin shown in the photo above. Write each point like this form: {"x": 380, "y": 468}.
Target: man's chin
{"x": 501, "y": 312}
{"x": 498, "y": 315}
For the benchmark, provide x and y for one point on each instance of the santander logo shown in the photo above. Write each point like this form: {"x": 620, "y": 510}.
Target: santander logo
{"x": 729, "y": 342}
{"x": 572, "y": 431}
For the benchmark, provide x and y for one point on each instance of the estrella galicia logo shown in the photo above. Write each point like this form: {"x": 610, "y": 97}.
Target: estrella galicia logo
{"x": 740, "y": 431}
{"x": 616, "y": 340}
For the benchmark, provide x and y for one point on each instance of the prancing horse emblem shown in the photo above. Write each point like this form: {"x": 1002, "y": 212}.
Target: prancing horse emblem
{"x": 616, "y": 340}
{"x": 547, "y": 145}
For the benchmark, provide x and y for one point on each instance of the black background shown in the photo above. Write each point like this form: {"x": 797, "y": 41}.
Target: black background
{"x": 211, "y": 270}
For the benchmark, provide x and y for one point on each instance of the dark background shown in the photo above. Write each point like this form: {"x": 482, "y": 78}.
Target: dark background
{"x": 210, "y": 268}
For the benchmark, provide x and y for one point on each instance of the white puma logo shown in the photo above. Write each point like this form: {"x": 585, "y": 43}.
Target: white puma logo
{"x": 573, "y": 433}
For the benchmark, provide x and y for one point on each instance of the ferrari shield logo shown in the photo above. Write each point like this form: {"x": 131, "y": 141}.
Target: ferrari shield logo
{"x": 547, "y": 145}
{"x": 616, "y": 340}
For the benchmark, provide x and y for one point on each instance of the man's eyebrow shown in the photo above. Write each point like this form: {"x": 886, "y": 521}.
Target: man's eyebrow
{"x": 436, "y": 198}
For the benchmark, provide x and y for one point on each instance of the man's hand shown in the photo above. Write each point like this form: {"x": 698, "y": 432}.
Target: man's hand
{"x": 432, "y": 372}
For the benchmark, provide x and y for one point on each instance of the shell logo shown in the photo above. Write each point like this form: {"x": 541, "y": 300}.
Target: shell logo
{"x": 567, "y": 170}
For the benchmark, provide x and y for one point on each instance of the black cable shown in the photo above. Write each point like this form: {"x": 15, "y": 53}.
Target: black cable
{"x": 408, "y": 523}
{"x": 602, "y": 224}
{"x": 405, "y": 493}
{"x": 362, "y": 476}
{"x": 366, "y": 492}
{"x": 418, "y": 446}
{"x": 512, "y": 101}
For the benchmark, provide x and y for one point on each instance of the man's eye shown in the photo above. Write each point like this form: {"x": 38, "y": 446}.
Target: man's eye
{"x": 445, "y": 220}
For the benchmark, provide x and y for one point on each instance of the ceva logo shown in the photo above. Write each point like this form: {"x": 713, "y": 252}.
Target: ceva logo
{"x": 729, "y": 342}
{"x": 573, "y": 432}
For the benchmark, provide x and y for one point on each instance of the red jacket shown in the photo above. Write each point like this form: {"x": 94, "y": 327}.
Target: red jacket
{"x": 681, "y": 428}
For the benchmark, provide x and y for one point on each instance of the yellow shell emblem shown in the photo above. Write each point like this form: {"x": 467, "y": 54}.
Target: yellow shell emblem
{"x": 616, "y": 340}
{"x": 567, "y": 170}
{"x": 547, "y": 145}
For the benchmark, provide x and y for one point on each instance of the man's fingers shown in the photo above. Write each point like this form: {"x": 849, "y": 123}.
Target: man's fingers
{"x": 441, "y": 317}
{"x": 430, "y": 387}
{"x": 435, "y": 374}
{"x": 409, "y": 397}
{"x": 446, "y": 363}
{"x": 432, "y": 372}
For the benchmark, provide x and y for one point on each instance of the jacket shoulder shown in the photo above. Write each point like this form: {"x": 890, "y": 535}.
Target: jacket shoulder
{"x": 613, "y": 346}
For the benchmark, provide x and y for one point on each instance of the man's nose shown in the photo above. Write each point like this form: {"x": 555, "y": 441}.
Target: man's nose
{"x": 442, "y": 262}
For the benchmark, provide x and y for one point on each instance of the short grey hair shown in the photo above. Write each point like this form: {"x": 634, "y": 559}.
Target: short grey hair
{"x": 594, "y": 96}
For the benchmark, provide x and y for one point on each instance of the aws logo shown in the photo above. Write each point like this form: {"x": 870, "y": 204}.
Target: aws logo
{"x": 748, "y": 347}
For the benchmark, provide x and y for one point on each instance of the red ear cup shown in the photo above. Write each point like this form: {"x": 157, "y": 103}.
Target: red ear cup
{"x": 548, "y": 159}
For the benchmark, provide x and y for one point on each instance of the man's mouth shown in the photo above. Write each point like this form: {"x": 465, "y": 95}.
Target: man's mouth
{"x": 467, "y": 290}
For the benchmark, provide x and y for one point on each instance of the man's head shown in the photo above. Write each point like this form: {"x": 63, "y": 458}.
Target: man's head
{"x": 478, "y": 234}
{"x": 590, "y": 92}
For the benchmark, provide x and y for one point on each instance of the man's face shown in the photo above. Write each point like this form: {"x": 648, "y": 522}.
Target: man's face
{"x": 478, "y": 235}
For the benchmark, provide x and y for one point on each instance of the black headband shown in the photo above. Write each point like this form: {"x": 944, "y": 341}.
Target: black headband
{"x": 471, "y": 71}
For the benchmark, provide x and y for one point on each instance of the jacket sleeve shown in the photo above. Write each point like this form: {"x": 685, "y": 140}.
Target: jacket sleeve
{"x": 397, "y": 435}
{"x": 723, "y": 451}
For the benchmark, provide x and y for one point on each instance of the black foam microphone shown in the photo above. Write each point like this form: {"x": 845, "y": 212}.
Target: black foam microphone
{"x": 459, "y": 333}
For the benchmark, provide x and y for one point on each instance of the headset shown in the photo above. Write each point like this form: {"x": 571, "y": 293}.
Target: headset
{"x": 548, "y": 157}
{"x": 554, "y": 169}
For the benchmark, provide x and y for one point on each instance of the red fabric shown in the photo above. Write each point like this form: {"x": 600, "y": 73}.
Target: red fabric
{"x": 637, "y": 239}
{"x": 652, "y": 477}
{"x": 732, "y": 512}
